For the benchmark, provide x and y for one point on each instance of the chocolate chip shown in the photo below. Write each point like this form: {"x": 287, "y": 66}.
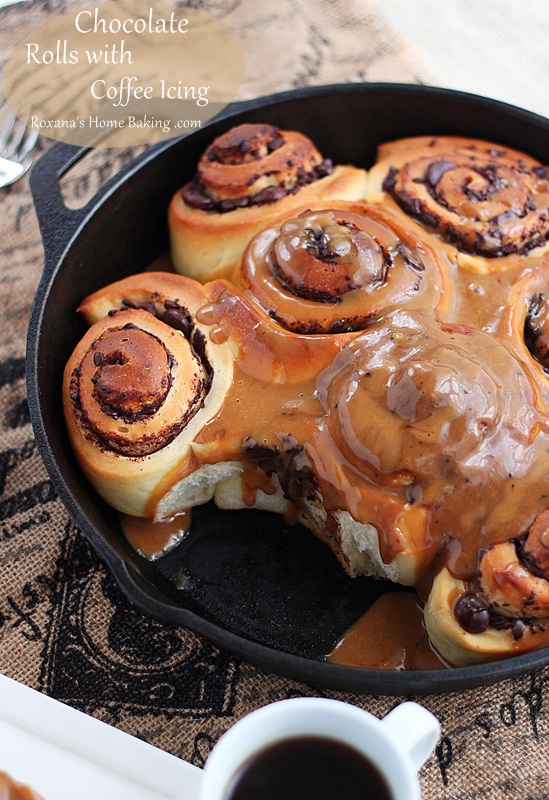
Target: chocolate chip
{"x": 436, "y": 170}
{"x": 98, "y": 358}
{"x": 230, "y": 205}
{"x": 325, "y": 168}
{"x": 269, "y": 195}
{"x": 472, "y": 613}
{"x": 150, "y": 308}
{"x": 275, "y": 143}
{"x": 195, "y": 197}
{"x": 178, "y": 318}
{"x": 518, "y": 629}
{"x": 542, "y": 172}
{"x": 497, "y": 153}
{"x": 389, "y": 180}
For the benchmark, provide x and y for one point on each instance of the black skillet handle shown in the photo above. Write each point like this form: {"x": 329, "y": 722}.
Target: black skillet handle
{"x": 57, "y": 223}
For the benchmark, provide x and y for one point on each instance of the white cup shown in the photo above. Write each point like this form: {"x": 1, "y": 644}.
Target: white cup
{"x": 398, "y": 745}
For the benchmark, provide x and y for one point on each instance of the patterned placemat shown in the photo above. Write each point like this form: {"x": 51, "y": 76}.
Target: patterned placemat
{"x": 65, "y": 627}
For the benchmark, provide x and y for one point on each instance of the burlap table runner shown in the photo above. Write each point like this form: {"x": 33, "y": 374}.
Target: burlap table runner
{"x": 65, "y": 627}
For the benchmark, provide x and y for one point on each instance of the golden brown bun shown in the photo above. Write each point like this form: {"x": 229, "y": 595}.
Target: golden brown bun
{"x": 524, "y": 323}
{"x": 137, "y": 390}
{"x": 504, "y": 611}
{"x": 488, "y": 203}
{"x": 339, "y": 268}
{"x": 462, "y": 648}
{"x": 207, "y": 240}
{"x": 207, "y": 245}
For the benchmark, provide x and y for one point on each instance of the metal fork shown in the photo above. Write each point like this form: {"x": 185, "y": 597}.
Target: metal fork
{"x": 16, "y": 148}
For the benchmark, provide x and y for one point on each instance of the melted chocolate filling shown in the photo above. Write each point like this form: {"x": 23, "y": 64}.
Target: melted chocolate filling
{"x": 475, "y": 615}
{"x": 287, "y": 461}
{"x": 195, "y": 194}
{"x": 477, "y": 244}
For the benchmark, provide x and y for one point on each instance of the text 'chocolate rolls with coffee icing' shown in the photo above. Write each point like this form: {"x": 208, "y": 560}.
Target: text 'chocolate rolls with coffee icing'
{"x": 485, "y": 200}
{"x": 140, "y": 384}
{"x": 248, "y": 177}
{"x": 338, "y": 270}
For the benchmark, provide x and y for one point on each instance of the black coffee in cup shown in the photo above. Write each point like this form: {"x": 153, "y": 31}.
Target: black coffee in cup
{"x": 309, "y": 768}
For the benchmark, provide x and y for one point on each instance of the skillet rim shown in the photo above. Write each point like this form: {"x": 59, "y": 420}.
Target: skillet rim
{"x": 147, "y": 597}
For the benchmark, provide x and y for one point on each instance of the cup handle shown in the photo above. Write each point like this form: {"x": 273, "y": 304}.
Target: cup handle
{"x": 414, "y": 729}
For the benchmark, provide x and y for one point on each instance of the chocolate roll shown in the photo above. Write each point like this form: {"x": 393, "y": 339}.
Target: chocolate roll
{"x": 487, "y": 201}
{"x": 337, "y": 270}
{"x": 503, "y": 610}
{"x": 139, "y": 386}
{"x": 247, "y": 177}
{"x": 433, "y": 434}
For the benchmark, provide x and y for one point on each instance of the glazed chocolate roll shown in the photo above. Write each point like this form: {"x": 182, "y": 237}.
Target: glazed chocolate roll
{"x": 247, "y": 177}
{"x": 337, "y": 270}
{"x": 483, "y": 199}
{"x": 140, "y": 385}
{"x": 503, "y": 610}
{"x": 438, "y": 439}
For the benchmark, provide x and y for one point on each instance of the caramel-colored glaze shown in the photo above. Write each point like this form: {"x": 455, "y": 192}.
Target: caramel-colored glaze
{"x": 252, "y": 480}
{"x": 154, "y": 539}
{"x": 340, "y": 269}
{"x": 12, "y": 790}
{"x": 390, "y": 635}
{"x": 433, "y": 430}
{"x": 429, "y": 420}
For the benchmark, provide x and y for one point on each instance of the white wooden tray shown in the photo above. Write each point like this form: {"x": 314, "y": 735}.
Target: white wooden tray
{"x": 64, "y": 754}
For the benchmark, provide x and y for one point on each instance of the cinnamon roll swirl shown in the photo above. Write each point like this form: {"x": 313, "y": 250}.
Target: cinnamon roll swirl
{"x": 246, "y": 178}
{"x": 433, "y": 436}
{"x": 485, "y": 200}
{"x": 336, "y": 270}
{"x": 504, "y": 610}
{"x": 139, "y": 386}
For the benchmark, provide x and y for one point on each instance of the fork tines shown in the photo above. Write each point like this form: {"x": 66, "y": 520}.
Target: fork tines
{"x": 13, "y": 143}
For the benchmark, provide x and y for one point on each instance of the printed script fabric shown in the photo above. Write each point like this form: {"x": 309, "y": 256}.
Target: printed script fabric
{"x": 65, "y": 627}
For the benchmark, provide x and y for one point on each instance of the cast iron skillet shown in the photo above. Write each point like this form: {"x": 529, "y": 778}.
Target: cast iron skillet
{"x": 251, "y": 585}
